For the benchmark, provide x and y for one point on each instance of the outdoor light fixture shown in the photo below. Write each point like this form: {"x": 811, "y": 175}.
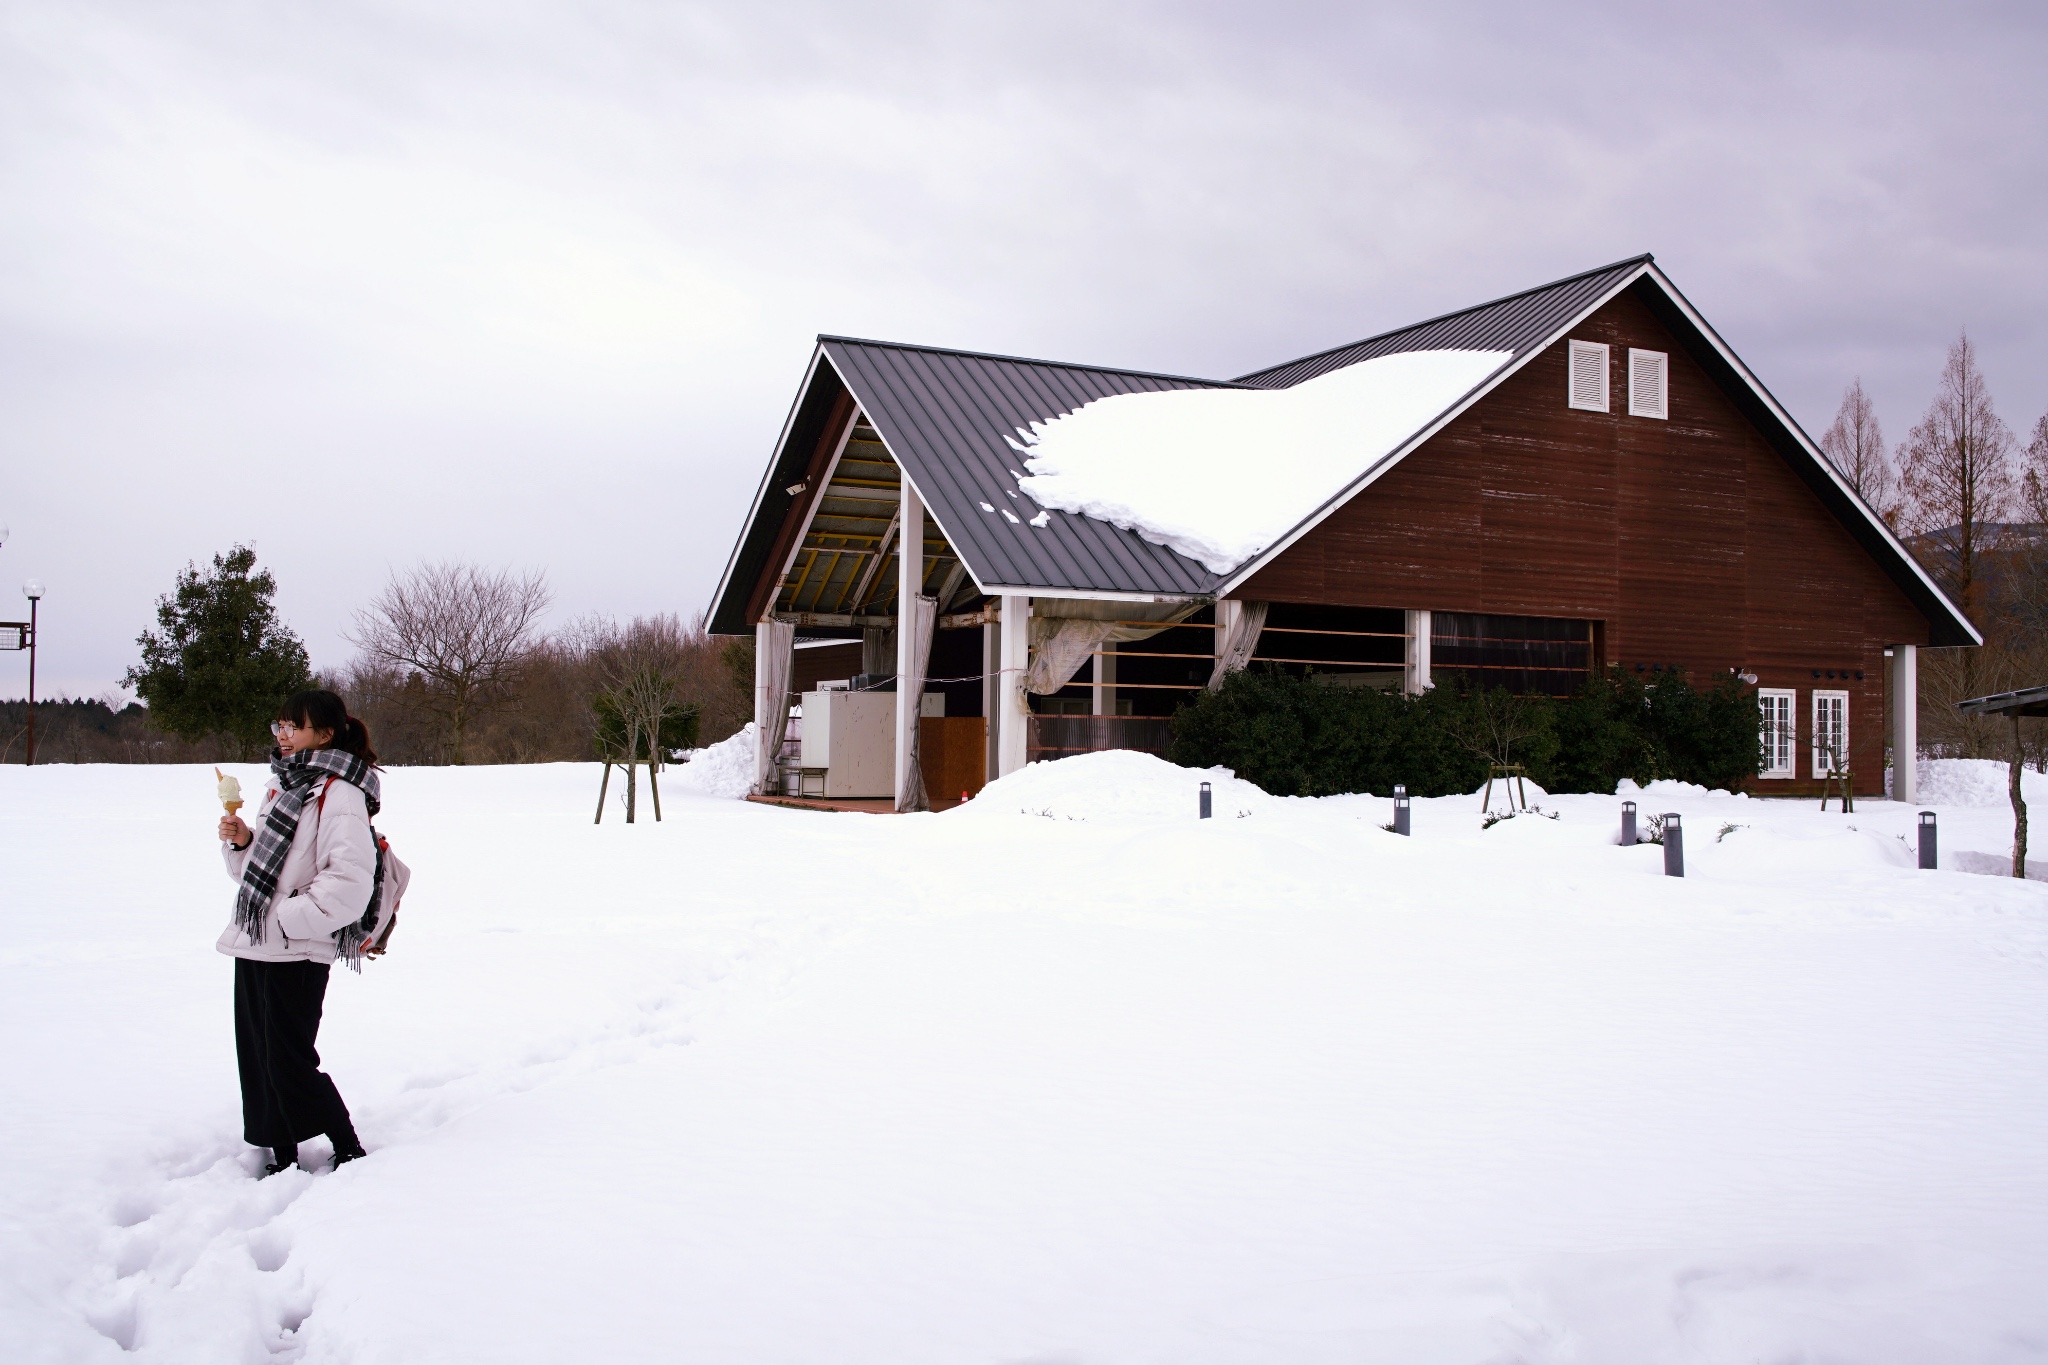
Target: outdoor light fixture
{"x": 1674, "y": 845}
{"x": 1928, "y": 848}
{"x": 33, "y": 591}
{"x": 1205, "y": 800}
{"x": 1628, "y": 824}
{"x": 1401, "y": 812}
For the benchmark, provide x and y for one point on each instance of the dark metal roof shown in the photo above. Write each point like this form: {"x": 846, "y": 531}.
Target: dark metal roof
{"x": 2031, "y": 701}
{"x": 1515, "y": 323}
{"x": 945, "y": 414}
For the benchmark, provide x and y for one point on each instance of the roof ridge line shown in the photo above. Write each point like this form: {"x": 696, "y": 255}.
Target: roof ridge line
{"x": 824, "y": 337}
{"x": 1645, "y": 258}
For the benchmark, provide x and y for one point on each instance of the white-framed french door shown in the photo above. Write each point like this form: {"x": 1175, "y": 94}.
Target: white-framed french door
{"x": 1780, "y": 734}
{"x": 1830, "y": 732}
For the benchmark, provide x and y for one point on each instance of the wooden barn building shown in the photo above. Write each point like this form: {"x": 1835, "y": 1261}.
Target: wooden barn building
{"x": 1620, "y": 491}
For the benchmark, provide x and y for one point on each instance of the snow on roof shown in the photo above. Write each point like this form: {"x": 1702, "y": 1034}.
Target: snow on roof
{"x": 1220, "y": 474}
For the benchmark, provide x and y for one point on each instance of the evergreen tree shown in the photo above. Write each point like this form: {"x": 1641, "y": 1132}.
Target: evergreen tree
{"x": 220, "y": 662}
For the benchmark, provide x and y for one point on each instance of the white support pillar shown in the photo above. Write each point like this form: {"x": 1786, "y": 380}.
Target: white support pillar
{"x": 1415, "y": 666}
{"x": 909, "y": 586}
{"x": 1905, "y": 723}
{"x": 774, "y": 642}
{"x": 1105, "y": 679}
{"x": 1013, "y": 739}
{"x": 991, "y": 699}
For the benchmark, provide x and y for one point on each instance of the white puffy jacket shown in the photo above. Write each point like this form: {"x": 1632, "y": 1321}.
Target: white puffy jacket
{"x": 324, "y": 885}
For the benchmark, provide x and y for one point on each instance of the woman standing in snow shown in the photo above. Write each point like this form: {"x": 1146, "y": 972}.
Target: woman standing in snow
{"x": 308, "y": 873}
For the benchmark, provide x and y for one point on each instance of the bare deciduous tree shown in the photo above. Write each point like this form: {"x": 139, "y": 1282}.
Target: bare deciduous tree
{"x": 459, "y": 634}
{"x": 2034, "y": 475}
{"x": 639, "y": 674}
{"x": 1854, "y": 444}
{"x": 1957, "y": 474}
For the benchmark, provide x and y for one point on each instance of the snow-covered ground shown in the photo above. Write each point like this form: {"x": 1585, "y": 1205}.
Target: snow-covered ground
{"x": 1063, "y": 1075}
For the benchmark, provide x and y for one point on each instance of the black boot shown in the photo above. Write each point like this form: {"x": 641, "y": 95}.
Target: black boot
{"x": 281, "y": 1159}
{"x": 347, "y": 1147}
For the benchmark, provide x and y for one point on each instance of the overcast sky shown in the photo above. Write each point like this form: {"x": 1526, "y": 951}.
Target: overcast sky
{"x": 533, "y": 285}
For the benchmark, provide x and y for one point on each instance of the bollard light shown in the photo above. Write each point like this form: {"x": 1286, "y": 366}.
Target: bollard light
{"x": 1205, "y": 800}
{"x": 1927, "y": 841}
{"x": 1674, "y": 846}
{"x": 1628, "y": 824}
{"x": 1401, "y": 825}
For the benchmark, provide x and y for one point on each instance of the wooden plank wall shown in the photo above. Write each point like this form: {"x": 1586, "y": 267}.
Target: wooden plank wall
{"x": 1690, "y": 539}
{"x": 823, "y": 663}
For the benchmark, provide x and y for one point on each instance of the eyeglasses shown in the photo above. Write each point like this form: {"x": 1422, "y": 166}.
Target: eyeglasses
{"x": 281, "y": 728}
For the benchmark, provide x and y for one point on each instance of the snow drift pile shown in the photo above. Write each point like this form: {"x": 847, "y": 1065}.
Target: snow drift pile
{"x": 723, "y": 769}
{"x": 1117, "y": 786}
{"x": 1975, "y": 782}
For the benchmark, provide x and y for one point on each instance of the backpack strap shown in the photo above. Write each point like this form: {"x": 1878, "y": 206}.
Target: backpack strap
{"x": 320, "y": 806}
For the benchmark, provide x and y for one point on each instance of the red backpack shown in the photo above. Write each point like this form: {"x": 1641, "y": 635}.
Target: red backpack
{"x": 392, "y": 876}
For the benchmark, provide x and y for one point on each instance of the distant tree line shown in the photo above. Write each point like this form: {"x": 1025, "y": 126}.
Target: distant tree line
{"x": 74, "y": 730}
{"x": 1970, "y": 499}
{"x": 453, "y": 666}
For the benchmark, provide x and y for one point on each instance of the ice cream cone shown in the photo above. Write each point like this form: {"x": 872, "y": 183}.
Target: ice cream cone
{"x": 229, "y": 789}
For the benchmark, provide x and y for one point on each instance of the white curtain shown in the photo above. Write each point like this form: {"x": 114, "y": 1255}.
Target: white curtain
{"x": 1237, "y": 634}
{"x": 774, "y": 652}
{"x": 1062, "y": 643}
{"x": 1061, "y": 646}
{"x": 910, "y": 792}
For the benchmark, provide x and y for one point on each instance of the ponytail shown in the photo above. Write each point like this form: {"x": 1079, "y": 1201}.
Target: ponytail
{"x": 319, "y": 709}
{"x": 354, "y": 738}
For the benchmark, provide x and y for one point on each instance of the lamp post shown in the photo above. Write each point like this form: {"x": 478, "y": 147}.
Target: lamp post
{"x": 33, "y": 591}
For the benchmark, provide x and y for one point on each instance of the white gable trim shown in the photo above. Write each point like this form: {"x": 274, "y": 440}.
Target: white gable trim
{"x": 768, "y": 476}
{"x": 1401, "y": 452}
{"x": 1092, "y": 594}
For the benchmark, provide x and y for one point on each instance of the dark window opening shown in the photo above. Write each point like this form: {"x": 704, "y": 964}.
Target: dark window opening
{"x": 1543, "y": 655}
{"x": 1355, "y": 646}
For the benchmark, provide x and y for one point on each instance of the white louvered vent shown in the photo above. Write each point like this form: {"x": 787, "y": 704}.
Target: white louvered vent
{"x": 1649, "y": 373}
{"x": 1588, "y": 381}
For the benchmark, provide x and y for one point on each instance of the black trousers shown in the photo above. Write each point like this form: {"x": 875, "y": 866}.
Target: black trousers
{"x": 286, "y": 1097}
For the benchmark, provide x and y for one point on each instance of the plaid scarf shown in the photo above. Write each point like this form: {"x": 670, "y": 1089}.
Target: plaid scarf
{"x": 297, "y": 778}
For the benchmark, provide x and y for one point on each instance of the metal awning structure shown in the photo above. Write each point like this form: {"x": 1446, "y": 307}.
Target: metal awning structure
{"x": 2027, "y": 704}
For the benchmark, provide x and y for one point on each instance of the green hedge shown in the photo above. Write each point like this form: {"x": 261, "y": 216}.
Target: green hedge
{"x": 1302, "y": 736}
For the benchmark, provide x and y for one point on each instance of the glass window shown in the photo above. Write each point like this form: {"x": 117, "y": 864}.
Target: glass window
{"x": 1778, "y": 733}
{"x": 1830, "y": 733}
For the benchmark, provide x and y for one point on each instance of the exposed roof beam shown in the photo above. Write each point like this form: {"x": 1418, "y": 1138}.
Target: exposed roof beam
{"x": 874, "y": 569}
